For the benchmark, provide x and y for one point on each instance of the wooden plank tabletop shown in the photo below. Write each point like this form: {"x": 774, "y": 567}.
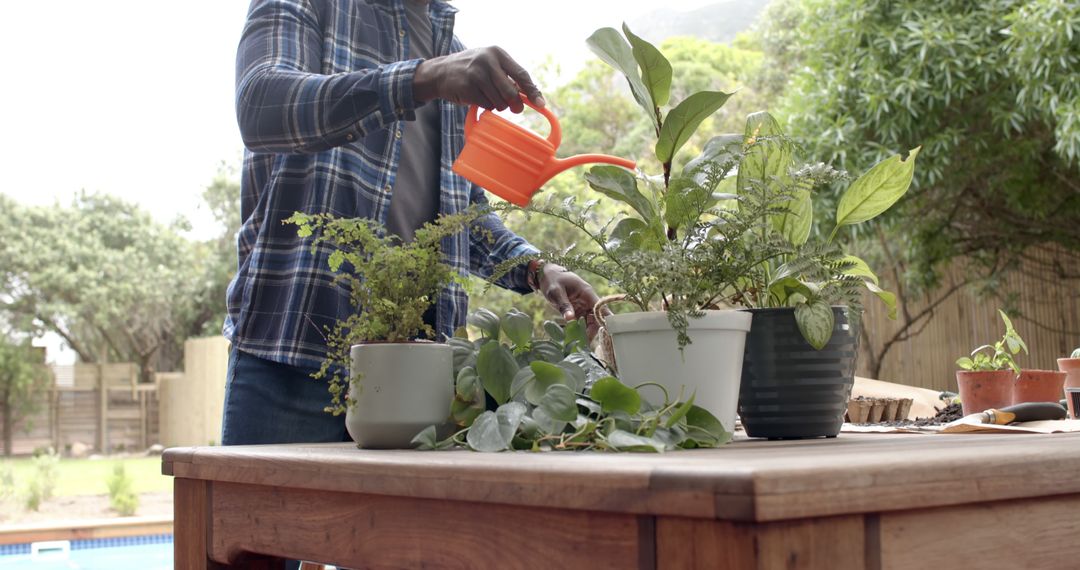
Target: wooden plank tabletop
{"x": 747, "y": 480}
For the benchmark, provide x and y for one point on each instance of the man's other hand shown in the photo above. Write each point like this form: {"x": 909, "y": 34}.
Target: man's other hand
{"x": 487, "y": 77}
{"x": 570, "y": 295}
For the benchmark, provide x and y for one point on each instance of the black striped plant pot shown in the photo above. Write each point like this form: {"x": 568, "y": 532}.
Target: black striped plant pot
{"x": 790, "y": 390}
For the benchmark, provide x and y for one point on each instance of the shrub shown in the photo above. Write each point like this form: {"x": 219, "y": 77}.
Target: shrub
{"x": 43, "y": 483}
{"x": 121, "y": 497}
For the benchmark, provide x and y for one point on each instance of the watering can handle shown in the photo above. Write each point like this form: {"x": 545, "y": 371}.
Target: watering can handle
{"x": 555, "y": 137}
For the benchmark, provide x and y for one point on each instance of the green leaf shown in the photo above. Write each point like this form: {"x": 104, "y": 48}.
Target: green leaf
{"x": 815, "y": 320}
{"x": 493, "y": 431}
{"x": 876, "y": 190}
{"x": 464, "y": 353}
{"x": 965, "y": 363}
{"x": 684, "y": 119}
{"x": 720, "y": 149}
{"x": 486, "y": 321}
{"x": 337, "y": 257}
{"x": 767, "y": 156}
{"x": 633, "y": 234}
{"x": 546, "y": 350}
{"x": 655, "y": 68}
{"x": 859, "y": 268}
{"x": 523, "y": 377}
{"x": 795, "y": 223}
{"x": 558, "y": 402}
{"x": 546, "y": 423}
{"x": 518, "y": 327}
{"x": 783, "y": 288}
{"x": 613, "y": 395}
{"x": 497, "y": 367}
{"x": 546, "y": 375}
{"x": 680, "y": 412}
{"x": 619, "y": 183}
{"x": 586, "y": 361}
{"x": 886, "y": 297}
{"x": 554, "y": 331}
{"x": 469, "y": 401}
{"x": 704, "y": 429}
{"x": 426, "y": 440}
{"x": 613, "y": 50}
{"x": 626, "y": 441}
{"x": 575, "y": 374}
{"x": 684, "y": 202}
{"x": 577, "y": 337}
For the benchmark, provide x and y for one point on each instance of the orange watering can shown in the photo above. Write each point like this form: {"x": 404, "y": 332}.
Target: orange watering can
{"x": 513, "y": 162}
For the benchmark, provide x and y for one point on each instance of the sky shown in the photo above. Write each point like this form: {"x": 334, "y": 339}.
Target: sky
{"x": 135, "y": 98}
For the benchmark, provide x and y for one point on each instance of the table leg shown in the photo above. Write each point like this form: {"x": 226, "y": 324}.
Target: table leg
{"x": 192, "y": 527}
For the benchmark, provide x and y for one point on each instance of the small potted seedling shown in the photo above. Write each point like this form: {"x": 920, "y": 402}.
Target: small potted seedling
{"x": 986, "y": 378}
{"x": 384, "y": 368}
{"x": 1071, "y": 367}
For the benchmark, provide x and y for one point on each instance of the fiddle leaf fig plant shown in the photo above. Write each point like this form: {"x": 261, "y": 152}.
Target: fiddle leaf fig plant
{"x": 552, "y": 394}
{"x": 676, "y": 249}
{"x": 998, "y": 356}
{"x": 390, "y": 284}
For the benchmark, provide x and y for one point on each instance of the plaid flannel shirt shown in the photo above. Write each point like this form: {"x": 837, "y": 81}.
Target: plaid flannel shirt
{"x": 323, "y": 91}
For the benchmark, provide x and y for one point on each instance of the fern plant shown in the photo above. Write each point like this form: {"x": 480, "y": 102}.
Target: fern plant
{"x": 391, "y": 284}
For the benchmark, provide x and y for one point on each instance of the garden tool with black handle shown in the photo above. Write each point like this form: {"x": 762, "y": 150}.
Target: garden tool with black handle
{"x": 1026, "y": 412}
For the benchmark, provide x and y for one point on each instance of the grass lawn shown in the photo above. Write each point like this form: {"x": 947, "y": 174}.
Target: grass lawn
{"x": 87, "y": 477}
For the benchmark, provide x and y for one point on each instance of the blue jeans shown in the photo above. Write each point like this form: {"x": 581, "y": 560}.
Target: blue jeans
{"x": 269, "y": 402}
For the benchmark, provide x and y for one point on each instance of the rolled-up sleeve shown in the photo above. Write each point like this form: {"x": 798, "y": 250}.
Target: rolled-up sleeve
{"x": 284, "y": 104}
{"x": 491, "y": 243}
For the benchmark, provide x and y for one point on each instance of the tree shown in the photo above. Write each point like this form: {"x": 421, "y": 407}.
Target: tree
{"x": 987, "y": 88}
{"x": 23, "y": 377}
{"x": 112, "y": 282}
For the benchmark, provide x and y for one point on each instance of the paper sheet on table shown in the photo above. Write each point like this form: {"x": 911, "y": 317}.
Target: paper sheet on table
{"x": 1050, "y": 426}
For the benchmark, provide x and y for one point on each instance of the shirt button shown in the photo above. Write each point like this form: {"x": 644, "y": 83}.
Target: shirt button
{"x": 349, "y": 137}
{"x": 397, "y": 134}
{"x": 400, "y": 111}
{"x": 387, "y": 187}
{"x": 401, "y": 32}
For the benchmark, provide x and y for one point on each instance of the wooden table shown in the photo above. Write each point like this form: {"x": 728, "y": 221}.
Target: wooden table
{"x": 863, "y": 501}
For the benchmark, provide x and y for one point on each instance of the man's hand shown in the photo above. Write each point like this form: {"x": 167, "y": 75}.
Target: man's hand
{"x": 486, "y": 77}
{"x": 569, "y": 294}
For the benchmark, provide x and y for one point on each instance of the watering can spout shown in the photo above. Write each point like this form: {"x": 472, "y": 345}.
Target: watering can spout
{"x": 560, "y": 164}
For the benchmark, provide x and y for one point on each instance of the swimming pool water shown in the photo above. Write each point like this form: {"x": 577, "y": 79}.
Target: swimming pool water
{"x": 153, "y": 552}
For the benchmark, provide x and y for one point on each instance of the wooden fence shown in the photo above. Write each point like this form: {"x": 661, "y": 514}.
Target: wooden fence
{"x": 104, "y": 407}
{"x": 98, "y": 405}
{"x": 1044, "y": 289}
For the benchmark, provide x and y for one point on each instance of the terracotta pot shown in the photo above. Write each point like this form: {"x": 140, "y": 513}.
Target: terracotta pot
{"x": 1071, "y": 367}
{"x": 1038, "y": 386}
{"x": 984, "y": 389}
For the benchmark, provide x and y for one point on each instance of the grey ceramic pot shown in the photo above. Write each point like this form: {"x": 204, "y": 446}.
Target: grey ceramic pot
{"x": 790, "y": 390}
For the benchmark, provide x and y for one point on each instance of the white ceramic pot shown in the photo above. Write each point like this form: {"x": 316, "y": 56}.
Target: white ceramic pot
{"x": 402, "y": 389}
{"x": 647, "y": 350}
